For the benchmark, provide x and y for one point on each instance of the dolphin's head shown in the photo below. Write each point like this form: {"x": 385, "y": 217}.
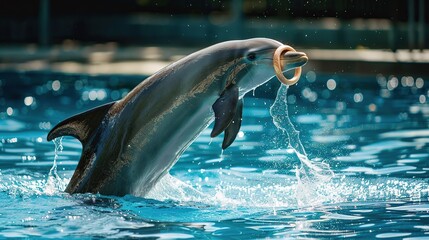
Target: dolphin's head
{"x": 258, "y": 55}
{"x": 239, "y": 67}
{"x": 254, "y": 62}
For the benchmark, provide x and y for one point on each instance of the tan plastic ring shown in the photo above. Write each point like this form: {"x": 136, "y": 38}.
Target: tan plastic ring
{"x": 278, "y": 66}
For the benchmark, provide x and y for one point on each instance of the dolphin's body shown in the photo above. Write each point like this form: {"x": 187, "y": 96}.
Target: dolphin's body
{"x": 130, "y": 144}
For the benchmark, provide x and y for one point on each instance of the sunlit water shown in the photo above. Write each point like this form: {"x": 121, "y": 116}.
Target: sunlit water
{"x": 371, "y": 132}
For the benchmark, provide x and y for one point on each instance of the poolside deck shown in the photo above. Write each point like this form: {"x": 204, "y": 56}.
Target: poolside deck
{"x": 112, "y": 59}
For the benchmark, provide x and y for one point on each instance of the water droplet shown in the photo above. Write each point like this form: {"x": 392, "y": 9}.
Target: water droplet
{"x": 419, "y": 82}
{"x": 331, "y": 84}
{"x": 372, "y": 107}
{"x": 9, "y": 111}
{"x": 54, "y": 182}
{"x": 28, "y": 100}
{"x": 92, "y": 95}
{"x": 392, "y": 83}
{"x": 101, "y": 94}
{"x": 56, "y": 85}
{"x": 310, "y": 76}
{"x": 240, "y": 134}
{"x": 358, "y": 97}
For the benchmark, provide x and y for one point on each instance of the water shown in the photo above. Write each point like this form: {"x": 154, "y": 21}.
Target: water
{"x": 311, "y": 175}
{"x": 371, "y": 130}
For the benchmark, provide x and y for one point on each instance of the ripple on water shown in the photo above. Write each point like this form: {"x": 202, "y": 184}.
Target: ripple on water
{"x": 11, "y": 125}
{"x": 404, "y": 161}
{"x": 355, "y": 158}
{"x": 388, "y": 145}
{"x": 7, "y": 158}
{"x": 380, "y": 171}
{"x": 309, "y": 119}
{"x": 392, "y": 235}
{"x": 419, "y": 155}
{"x": 330, "y": 138}
{"x": 277, "y": 158}
{"x": 409, "y": 133}
{"x": 243, "y": 169}
{"x": 47, "y": 164}
{"x": 342, "y": 216}
{"x": 411, "y": 208}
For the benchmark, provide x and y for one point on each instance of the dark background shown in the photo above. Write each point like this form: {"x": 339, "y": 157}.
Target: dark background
{"x": 314, "y": 23}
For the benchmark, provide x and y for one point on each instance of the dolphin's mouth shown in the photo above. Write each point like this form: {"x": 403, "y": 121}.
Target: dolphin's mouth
{"x": 286, "y": 58}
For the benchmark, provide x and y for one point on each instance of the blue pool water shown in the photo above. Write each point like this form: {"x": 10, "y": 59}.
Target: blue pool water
{"x": 372, "y": 131}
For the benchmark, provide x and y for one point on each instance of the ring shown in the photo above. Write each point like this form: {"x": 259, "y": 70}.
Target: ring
{"x": 278, "y": 66}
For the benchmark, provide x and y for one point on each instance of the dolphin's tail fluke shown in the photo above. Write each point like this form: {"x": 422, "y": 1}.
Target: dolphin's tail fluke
{"x": 81, "y": 126}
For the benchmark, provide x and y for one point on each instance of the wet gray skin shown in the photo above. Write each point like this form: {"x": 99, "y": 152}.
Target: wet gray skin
{"x": 129, "y": 145}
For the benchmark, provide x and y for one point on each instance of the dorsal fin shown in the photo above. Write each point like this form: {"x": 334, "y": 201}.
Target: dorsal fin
{"x": 82, "y": 125}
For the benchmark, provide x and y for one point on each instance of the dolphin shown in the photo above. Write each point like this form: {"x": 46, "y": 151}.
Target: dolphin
{"x": 130, "y": 144}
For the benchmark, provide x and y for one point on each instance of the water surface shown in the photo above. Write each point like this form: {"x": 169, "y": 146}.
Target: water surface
{"x": 371, "y": 130}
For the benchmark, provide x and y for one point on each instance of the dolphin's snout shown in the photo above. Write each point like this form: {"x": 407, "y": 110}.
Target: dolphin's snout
{"x": 286, "y": 58}
{"x": 291, "y": 55}
{"x": 292, "y": 60}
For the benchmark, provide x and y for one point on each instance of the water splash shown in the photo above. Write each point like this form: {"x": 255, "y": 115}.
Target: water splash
{"x": 312, "y": 185}
{"x": 171, "y": 188}
{"x": 310, "y": 175}
{"x": 54, "y": 182}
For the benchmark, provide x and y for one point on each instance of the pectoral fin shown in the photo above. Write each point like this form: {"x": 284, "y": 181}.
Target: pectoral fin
{"x": 234, "y": 127}
{"x": 224, "y": 109}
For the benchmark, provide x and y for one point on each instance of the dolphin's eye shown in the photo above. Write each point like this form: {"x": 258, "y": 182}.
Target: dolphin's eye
{"x": 251, "y": 56}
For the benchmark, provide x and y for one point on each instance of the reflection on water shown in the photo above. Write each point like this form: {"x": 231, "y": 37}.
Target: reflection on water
{"x": 372, "y": 131}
